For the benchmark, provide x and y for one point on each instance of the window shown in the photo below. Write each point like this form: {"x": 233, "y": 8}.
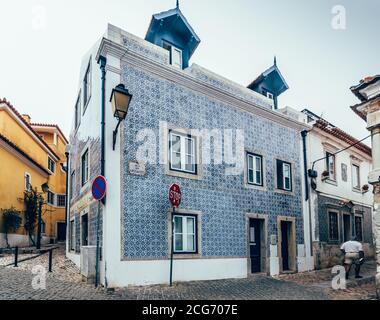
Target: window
{"x": 84, "y": 166}
{"x": 355, "y": 176}
{"x": 51, "y": 165}
{"x": 87, "y": 87}
{"x": 344, "y": 172}
{"x": 333, "y": 226}
{"x": 72, "y": 235}
{"x": 175, "y": 55}
{"x": 77, "y": 113}
{"x": 61, "y": 200}
{"x": 359, "y": 227}
{"x": 284, "y": 175}
{"x": 43, "y": 227}
{"x": 50, "y": 198}
{"x": 254, "y": 169}
{"x": 72, "y": 184}
{"x": 330, "y": 165}
{"x": 185, "y": 234}
{"x": 27, "y": 180}
{"x": 84, "y": 230}
{"x": 182, "y": 153}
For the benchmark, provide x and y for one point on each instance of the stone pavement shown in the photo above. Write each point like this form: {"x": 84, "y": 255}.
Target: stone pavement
{"x": 65, "y": 283}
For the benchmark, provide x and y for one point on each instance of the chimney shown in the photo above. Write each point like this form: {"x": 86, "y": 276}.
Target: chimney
{"x": 26, "y": 118}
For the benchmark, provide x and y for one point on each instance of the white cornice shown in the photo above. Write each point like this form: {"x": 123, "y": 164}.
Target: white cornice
{"x": 116, "y": 50}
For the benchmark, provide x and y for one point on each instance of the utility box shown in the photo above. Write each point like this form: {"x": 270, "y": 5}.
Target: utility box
{"x": 88, "y": 263}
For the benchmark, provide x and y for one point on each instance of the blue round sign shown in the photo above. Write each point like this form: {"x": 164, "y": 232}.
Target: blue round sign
{"x": 99, "y": 188}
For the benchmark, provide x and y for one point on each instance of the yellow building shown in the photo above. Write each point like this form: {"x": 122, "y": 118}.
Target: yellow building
{"x": 31, "y": 154}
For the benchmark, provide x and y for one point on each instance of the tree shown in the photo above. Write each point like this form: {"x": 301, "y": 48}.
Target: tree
{"x": 31, "y": 212}
{"x": 11, "y": 222}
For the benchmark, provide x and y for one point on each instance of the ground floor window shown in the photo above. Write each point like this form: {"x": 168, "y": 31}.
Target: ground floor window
{"x": 185, "y": 237}
{"x": 359, "y": 227}
{"x": 72, "y": 235}
{"x": 85, "y": 230}
{"x": 333, "y": 226}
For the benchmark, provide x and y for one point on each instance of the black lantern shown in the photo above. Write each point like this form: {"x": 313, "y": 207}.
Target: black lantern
{"x": 120, "y": 100}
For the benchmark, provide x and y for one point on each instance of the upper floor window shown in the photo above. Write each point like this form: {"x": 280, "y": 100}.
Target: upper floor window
{"x": 27, "y": 181}
{"x": 84, "y": 167}
{"x": 284, "y": 175}
{"x": 182, "y": 153}
{"x": 175, "y": 55}
{"x": 330, "y": 165}
{"x": 355, "y": 176}
{"x": 51, "y": 165}
{"x": 61, "y": 200}
{"x": 254, "y": 169}
{"x": 185, "y": 237}
{"x": 51, "y": 198}
{"x": 87, "y": 87}
{"x": 77, "y": 113}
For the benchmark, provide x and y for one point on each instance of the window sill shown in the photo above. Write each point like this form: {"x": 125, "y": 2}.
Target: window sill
{"x": 184, "y": 256}
{"x": 184, "y": 175}
{"x": 330, "y": 181}
{"x": 356, "y": 190}
{"x": 286, "y": 192}
{"x": 255, "y": 187}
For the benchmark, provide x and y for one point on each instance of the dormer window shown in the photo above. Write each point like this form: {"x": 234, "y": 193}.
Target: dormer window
{"x": 175, "y": 55}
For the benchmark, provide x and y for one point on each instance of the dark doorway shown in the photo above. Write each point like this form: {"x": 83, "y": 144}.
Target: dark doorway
{"x": 85, "y": 230}
{"x": 61, "y": 231}
{"x": 255, "y": 248}
{"x": 346, "y": 227}
{"x": 286, "y": 228}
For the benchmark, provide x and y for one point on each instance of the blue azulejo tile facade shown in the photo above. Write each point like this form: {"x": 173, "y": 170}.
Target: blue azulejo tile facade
{"x": 223, "y": 200}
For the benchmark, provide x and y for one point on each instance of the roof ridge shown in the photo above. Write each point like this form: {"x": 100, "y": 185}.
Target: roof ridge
{"x": 10, "y": 105}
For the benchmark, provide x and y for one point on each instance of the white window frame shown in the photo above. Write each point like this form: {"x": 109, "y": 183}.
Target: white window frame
{"x": 172, "y": 52}
{"x": 83, "y": 183}
{"x": 27, "y": 187}
{"x": 254, "y": 158}
{"x": 284, "y": 164}
{"x": 355, "y": 176}
{"x": 182, "y": 151}
{"x": 185, "y": 233}
{"x": 331, "y": 160}
{"x": 54, "y": 165}
{"x": 78, "y": 112}
{"x": 48, "y": 200}
{"x": 87, "y": 86}
{"x": 270, "y": 95}
{"x": 58, "y": 204}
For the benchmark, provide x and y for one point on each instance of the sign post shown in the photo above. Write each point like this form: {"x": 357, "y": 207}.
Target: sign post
{"x": 175, "y": 197}
{"x": 98, "y": 189}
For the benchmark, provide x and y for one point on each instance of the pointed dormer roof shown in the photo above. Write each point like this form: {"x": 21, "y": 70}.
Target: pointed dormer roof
{"x": 272, "y": 79}
{"x": 172, "y": 25}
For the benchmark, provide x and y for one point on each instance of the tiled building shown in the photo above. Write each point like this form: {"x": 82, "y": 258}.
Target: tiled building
{"x": 241, "y": 213}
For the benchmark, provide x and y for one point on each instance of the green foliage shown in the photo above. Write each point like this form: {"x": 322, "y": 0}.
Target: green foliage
{"x": 31, "y": 212}
{"x": 11, "y": 222}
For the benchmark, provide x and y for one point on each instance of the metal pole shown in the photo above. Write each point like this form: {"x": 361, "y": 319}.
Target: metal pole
{"x": 50, "y": 260}
{"x": 172, "y": 249}
{"x": 97, "y": 247}
{"x": 39, "y": 224}
{"x": 16, "y": 256}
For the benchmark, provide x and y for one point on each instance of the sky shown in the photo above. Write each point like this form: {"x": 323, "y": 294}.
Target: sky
{"x": 322, "y": 50}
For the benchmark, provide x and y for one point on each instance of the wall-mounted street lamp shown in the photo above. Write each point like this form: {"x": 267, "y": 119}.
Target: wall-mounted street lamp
{"x": 45, "y": 189}
{"x": 120, "y": 100}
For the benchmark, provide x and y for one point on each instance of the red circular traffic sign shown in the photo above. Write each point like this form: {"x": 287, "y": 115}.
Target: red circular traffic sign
{"x": 175, "y": 195}
{"x": 99, "y": 188}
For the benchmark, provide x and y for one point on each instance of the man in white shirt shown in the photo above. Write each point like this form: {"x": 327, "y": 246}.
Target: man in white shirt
{"x": 353, "y": 254}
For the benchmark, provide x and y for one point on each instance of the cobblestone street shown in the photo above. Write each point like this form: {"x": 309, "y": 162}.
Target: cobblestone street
{"x": 66, "y": 283}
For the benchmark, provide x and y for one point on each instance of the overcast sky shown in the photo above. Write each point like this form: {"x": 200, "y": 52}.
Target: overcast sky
{"x": 42, "y": 43}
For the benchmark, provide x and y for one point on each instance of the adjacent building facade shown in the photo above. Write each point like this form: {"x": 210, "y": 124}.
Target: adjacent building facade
{"x": 241, "y": 213}
{"x": 340, "y": 196}
{"x": 31, "y": 155}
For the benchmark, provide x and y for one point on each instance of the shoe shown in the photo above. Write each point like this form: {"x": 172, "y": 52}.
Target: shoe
{"x": 358, "y": 277}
